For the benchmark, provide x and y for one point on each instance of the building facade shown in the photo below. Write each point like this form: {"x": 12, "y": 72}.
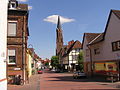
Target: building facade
{"x": 59, "y": 37}
{"x": 29, "y": 61}
{"x": 67, "y": 54}
{"x": 102, "y": 53}
{"x": 3, "y": 44}
{"x": 17, "y": 36}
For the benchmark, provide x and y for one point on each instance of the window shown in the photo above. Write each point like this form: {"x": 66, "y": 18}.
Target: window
{"x": 11, "y": 56}
{"x": 74, "y": 57}
{"x": 12, "y": 5}
{"x": 12, "y": 26}
{"x": 96, "y": 51}
{"x": 116, "y": 46}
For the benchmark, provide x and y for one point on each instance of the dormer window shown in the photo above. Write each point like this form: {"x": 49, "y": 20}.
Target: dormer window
{"x": 13, "y": 4}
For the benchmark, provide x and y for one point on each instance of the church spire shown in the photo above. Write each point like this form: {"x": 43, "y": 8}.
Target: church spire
{"x": 59, "y": 37}
{"x": 59, "y": 24}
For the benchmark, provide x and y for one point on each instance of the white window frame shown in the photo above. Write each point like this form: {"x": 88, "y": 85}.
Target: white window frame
{"x": 11, "y": 5}
{"x": 11, "y": 55}
{"x": 16, "y": 28}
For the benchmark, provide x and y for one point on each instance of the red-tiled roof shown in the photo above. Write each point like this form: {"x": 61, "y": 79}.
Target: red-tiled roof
{"x": 67, "y": 48}
{"x": 75, "y": 45}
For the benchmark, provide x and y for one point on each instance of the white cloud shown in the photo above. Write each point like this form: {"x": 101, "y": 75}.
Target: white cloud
{"x": 54, "y": 19}
{"x": 30, "y": 7}
{"x": 23, "y": 0}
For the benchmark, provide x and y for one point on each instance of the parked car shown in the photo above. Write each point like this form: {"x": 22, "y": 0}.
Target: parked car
{"x": 57, "y": 70}
{"x": 40, "y": 71}
{"x": 78, "y": 74}
{"x": 53, "y": 70}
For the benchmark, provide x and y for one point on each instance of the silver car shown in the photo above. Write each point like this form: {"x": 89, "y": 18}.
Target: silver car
{"x": 78, "y": 74}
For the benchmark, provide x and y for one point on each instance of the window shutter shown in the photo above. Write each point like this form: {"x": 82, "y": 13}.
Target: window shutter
{"x": 12, "y": 26}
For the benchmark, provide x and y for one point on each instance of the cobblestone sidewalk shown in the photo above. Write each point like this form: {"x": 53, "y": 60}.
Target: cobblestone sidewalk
{"x": 34, "y": 84}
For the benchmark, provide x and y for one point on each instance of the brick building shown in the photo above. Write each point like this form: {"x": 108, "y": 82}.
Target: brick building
{"x": 17, "y": 39}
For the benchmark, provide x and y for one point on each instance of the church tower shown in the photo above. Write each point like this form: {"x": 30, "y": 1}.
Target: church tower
{"x": 59, "y": 38}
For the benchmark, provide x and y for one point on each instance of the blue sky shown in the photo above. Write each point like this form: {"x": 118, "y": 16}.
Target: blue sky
{"x": 79, "y": 16}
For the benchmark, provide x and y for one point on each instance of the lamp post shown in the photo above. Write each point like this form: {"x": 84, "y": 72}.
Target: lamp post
{"x": 30, "y": 45}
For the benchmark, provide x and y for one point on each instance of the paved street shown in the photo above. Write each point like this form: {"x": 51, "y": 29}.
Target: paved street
{"x": 64, "y": 81}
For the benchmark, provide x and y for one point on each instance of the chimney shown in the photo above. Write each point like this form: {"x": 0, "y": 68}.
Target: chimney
{"x": 70, "y": 43}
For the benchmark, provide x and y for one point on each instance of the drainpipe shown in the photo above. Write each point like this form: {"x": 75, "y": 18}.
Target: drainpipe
{"x": 23, "y": 53}
{"x": 91, "y": 61}
{"x": 23, "y": 49}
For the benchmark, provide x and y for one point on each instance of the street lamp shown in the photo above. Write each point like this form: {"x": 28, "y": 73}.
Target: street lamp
{"x": 30, "y": 45}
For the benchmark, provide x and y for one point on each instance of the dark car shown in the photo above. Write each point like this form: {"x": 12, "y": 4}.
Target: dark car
{"x": 78, "y": 74}
{"x": 40, "y": 71}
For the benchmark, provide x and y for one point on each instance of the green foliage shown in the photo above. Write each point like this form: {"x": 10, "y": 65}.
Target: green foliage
{"x": 80, "y": 57}
{"x": 47, "y": 64}
{"x": 80, "y": 61}
{"x": 54, "y": 61}
{"x": 33, "y": 72}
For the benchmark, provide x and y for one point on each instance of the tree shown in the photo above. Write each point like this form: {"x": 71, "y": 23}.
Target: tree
{"x": 47, "y": 64}
{"x": 54, "y": 61}
{"x": 80, "y": 61}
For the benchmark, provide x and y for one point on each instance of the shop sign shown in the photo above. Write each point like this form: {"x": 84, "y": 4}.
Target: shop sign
{"x": 17, "y": 68}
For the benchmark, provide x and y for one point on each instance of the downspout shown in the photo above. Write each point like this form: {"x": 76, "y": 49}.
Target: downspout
{"x": 23, "y": 66}
{"x": 91, "y": 61}
{"x": 23, "y": 49}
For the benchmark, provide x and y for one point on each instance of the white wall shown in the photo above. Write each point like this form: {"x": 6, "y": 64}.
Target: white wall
{"x": 72, "y": 52}
{"x": 112, "y": 35}
{"x": 3, "y": 43}
{"x": 86, "y": 54}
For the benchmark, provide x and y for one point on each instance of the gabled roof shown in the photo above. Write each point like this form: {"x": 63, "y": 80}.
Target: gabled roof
{"x": 75, "y": 45}
{"x": 97, "y": 39}
{"x": 93, "y": 38}
{"x": 89, "y": 37}
{"x": 117, "y": 13}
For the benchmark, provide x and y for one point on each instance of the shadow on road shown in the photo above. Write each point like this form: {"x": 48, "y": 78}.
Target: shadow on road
{"x": 82, "y": 79}
{"x": 69, "y": 77}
